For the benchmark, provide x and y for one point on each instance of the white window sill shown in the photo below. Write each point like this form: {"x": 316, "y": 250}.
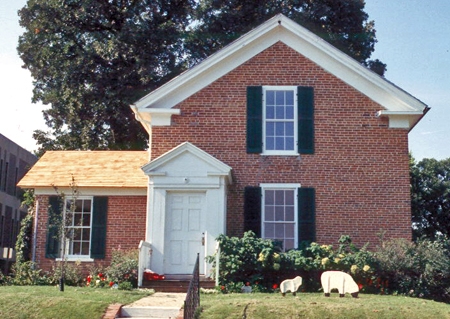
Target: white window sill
{"x": 76, "y": 258}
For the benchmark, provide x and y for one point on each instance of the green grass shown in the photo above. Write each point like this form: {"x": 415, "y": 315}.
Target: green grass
{"x": 317, "y": 306}
{"x": 46, "y": 302}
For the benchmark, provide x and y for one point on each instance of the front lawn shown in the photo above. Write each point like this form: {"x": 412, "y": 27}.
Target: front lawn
{"x": 317, "y": 306}
{"x": 45, "y": 302}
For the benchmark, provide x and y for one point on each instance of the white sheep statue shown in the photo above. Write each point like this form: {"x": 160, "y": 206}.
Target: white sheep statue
{"x": 339, "y": 280}
{"x": 291, "y": 285}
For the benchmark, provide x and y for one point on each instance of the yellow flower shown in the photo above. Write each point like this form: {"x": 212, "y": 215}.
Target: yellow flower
{"x": 261, "y": 257}
{"x": 276, "y": 266}
{"x": 276, "y": 257}
{"x": 366, "y": 268}
{"x": 325, "y": 261}
{"x": 337, "y": 260}
{"x": 354, "y": 268}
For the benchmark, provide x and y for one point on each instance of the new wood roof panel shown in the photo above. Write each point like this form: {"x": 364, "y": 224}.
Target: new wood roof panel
{"x": 112, "y": 169}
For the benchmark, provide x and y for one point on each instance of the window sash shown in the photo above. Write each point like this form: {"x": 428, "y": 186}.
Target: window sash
{"x": 279, "y": 214}
{"x": 79, "y": 227}
{"x": 280, "y": 127}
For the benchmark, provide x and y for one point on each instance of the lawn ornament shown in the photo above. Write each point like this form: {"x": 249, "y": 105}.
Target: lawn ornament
{"x": 339, "y": 280}
{"x": 291, "y": 285}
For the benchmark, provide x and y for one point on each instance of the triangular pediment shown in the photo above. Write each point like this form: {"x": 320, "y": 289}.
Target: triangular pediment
{"x": 156, "y": 107}
{"x": 187, "y": 160}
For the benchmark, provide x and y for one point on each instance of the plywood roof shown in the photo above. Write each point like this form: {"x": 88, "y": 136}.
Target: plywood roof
{"x": 111, "y": 169}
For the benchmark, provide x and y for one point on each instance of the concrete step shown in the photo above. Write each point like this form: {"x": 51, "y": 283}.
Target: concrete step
{"x": 150, "y": 312}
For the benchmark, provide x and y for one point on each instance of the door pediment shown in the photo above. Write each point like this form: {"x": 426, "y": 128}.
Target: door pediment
{"x": 186, "y": 164}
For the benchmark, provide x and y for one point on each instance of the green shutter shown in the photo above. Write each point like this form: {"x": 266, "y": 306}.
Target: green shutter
{"x": 53, "y": 223}
{"x": 306, "y": 215}
{"x": 99, "y": 218}
{"x": 254, "y": 119}
{"x": 305, "y": 104}
{"x": 252, "y": 210}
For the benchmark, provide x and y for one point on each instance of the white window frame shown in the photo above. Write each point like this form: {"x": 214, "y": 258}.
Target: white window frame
{"x": 288, "y": 186}
{"x": 295, "y": 120}
{"x": 82, "y": 258}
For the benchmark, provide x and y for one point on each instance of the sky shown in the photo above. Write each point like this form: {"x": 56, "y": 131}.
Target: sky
{"x": 413, "y": 40}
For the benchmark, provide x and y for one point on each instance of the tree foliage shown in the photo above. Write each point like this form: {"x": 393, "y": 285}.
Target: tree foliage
{"x": 91, "y": 59}
{"x": 430, "y": 197}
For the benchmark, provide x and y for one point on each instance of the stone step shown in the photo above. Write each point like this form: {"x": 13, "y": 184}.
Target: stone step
{"x": 150, "y": 312}
{"x": 174, "y": 285}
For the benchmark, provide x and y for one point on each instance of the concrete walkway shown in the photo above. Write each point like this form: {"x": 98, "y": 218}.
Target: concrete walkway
{"x": 158, "y": 305}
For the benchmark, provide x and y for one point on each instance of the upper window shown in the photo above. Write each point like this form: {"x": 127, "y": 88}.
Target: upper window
{"x": 280, "y": 120}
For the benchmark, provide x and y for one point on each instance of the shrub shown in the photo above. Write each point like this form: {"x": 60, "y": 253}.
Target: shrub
{"x": 25, "y": 274}
{"x": 124, "y": 267}
{"x": 97, "y": 277}
{"x": 260, "y": 263}
{"x": 420, "y": 269}
{"x": 72, "y": 273}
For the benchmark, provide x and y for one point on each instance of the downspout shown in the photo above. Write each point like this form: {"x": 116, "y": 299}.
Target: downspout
{"x": 33, "y": 251}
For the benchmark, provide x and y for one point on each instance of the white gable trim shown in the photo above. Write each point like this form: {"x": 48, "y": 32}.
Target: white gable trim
{"x": 279, "y": 28}
{"x": 220, "y": 169}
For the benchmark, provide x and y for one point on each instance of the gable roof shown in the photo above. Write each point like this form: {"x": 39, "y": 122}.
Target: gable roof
{"x": 156, "y": 107}
{"x": 112, "y": 169}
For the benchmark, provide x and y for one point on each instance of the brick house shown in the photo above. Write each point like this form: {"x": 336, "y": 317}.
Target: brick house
{"x": 279, "y": 132}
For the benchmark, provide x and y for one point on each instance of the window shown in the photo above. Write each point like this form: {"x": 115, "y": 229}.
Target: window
{"x": 280, "y": 120}
{"x": 85, "y": 229}
{"x": 278, "y": 214}
{"x": 282, "y": 212}
{"x": 77, "y": 217}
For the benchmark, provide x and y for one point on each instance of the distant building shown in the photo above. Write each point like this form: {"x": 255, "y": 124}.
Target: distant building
{"x": 15, "y": 161}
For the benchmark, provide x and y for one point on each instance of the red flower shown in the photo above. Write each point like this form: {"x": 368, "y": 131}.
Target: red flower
{"x": 88, "y": 279}
{"x": 100, "y": 275}
{"x": 275, "y": 286}
{"x": 111, "y": 283}
{"x": 222, "y": 287}
{"x": 360, "y": 286}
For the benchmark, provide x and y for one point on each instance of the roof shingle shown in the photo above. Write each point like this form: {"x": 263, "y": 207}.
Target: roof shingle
{"x": 112, "y": 169}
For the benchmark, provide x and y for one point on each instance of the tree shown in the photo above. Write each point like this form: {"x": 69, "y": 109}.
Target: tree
{"x": 91, "y": 59}
{"x": 430, "y": 197}
{"x": 343, "y": 23}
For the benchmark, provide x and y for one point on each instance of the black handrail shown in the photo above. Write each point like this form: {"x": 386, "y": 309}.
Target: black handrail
{"x": 192, "y": 301}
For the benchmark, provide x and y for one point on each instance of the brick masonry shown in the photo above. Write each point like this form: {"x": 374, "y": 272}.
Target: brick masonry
{"x": 360, "y": 166}
{"x": 125, "y": 228}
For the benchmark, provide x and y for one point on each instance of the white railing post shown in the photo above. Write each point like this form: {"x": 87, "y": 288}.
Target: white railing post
{"x": 217, "y": 263}
{"x": 145, "y": 255}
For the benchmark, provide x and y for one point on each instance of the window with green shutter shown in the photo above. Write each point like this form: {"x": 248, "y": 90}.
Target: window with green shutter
{"x": 284, "y": 213}
{"x": 83, "y": 227}
{"x": 280, "y": 120}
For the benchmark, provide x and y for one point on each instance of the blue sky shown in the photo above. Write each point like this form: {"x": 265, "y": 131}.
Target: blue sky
{"x": 413, "y": 40}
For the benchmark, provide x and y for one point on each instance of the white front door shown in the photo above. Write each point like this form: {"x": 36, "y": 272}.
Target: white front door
{"x": 185, "y": 227}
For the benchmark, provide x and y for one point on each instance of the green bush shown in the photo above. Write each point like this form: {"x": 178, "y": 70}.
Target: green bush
{"x": 72, "y": 273}
{"x": 259, "y": 263}
{"x": 124, "y": 267}
{"x": 26, "y": 274}
{"x": 397, "y": 266}
{"x": 420, "y": 269}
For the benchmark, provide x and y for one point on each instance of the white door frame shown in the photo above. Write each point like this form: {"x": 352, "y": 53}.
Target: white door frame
{"x": 189, "y": 169}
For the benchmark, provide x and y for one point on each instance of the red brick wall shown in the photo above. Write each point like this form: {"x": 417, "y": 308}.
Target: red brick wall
{"x": 360, "y": 166}
{"x": 125, "y": 228}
